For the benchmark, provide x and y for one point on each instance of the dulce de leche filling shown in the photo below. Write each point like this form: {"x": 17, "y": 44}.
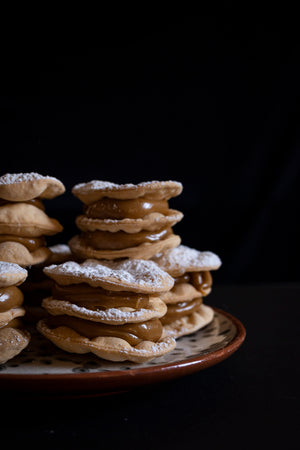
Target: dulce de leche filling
{"x": 181, "y": 309}
{"x": 30, "y": 243}
{"x": 10, "y": 297}
{"x": 95, "y": 297}
{"x": 105, "y": 240}
{"x": 151, "y": 330}
{"x": 110, "y": 208}
{"x": 35, "y": 202}
{"x": 202, "y": 281}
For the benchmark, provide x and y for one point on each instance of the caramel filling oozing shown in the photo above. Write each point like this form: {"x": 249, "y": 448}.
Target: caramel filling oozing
{"x": 30, "y": 243}
{"x": 10, "y": 297}
{"x": 109, "y": 208}
{"x": 105, "y": 240}
{"x": 180, "y": 309}
{"x": 95, "y": 297}
{"x": 202, "y": 281}
{"x": 35, "y": 202}
{"x": 151, "y": 330}
{"x": 14, "y": 323}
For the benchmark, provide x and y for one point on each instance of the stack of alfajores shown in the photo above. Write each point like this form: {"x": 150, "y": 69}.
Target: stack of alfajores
{"x": 126, "y": 235}
{"x": 13, "y": 338}
{"x": 24, "y": 223}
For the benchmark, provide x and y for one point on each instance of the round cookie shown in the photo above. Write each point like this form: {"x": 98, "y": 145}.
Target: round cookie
{"x": 23, "y": 219}
{"x": 145, "y": 250}
{"x": 110, "y": 308}
{"x": 109, "y": 348}
{"x": 125, "y": 275}
{"x": 11, "y": 314}
{"x": 15, "y": 252}
{"x": 152, "y": 222}
{"x": 112, "y": 316}
{"x": 19, "y": 187}
{"x": 182, "y": 259}
{"x": 11, "y": 274}
{"x": 96, "y": 189}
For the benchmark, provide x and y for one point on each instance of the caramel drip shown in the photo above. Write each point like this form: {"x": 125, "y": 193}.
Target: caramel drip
{"x": 181, "y": 309}
{"x": 105, "y": 240}
{"x": 92, "y": 297}
{"x": 109, "y": 208}
{"x": 202, "y": 281}
{"x": 151, "y": 330}
{"x": 30, "y": 243}
{"x": 10, "y": 297}
{"x": 35, "y": 202}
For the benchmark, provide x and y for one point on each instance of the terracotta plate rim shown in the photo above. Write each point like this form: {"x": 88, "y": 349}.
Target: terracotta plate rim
{"x": 99, "y": 383}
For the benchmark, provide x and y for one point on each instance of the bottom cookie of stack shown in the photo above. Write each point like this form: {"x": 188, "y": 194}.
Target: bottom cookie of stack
{"x": 13, "y": 338}
{"x": 112, "y": 309}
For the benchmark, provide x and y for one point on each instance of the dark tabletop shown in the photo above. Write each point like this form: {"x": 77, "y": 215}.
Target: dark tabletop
{"x": 250, "y": 400}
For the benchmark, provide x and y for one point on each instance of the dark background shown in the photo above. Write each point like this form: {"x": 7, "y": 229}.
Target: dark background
{"x": 209, "y": 99}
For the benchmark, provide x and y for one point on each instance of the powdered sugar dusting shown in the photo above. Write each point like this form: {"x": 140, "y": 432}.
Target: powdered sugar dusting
{"x": 143, "y": 274}
{"x": 12, "y": 178}
{"x": 95, "y": 185}
{"x": 7, "y": 267}
{"x": 60, "y": 249}
{"x": 112, "y": 314}
{"x": 183, "y": 258}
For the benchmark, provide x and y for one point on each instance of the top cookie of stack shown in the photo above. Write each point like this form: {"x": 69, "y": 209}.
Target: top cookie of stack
{"x": 125, "y": 220}
{"x": 23, "y": 221}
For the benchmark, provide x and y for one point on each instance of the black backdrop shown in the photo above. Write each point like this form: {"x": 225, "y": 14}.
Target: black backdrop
{"x": 210, "y": 99}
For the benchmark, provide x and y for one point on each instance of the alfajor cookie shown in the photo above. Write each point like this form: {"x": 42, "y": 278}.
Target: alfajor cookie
{"x": 21, "y": 187}
{"x": 110, "y": 308}
{"x": 125, "y": 220}
{"x": 24, "y": 223}
{"x": 190, "y": 269}
{"x": 13, "y": 338}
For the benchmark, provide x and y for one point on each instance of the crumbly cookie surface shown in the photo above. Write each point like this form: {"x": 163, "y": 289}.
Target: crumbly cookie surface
{"x": 18, "y": 187}
{"x": 142, "y": 276}
{"x": 112, "y": 316}
{"x": 96, "y": 189}
{"x": 11, "y": 274}
{"x": 110, "y": 348}
{"x": 182, "y": 259}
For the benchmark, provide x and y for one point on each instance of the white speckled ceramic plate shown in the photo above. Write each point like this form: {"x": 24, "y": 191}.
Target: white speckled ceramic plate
{"x": 44, "y": 368}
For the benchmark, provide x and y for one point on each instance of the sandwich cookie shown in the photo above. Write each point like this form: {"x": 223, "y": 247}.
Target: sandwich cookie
{"x": 125, "y": 220}
{"x": 110, "y": 308}
{"x": 190, "y": 269}
{"x": 13, "y": 339}
{"x": 23, "y": 221}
